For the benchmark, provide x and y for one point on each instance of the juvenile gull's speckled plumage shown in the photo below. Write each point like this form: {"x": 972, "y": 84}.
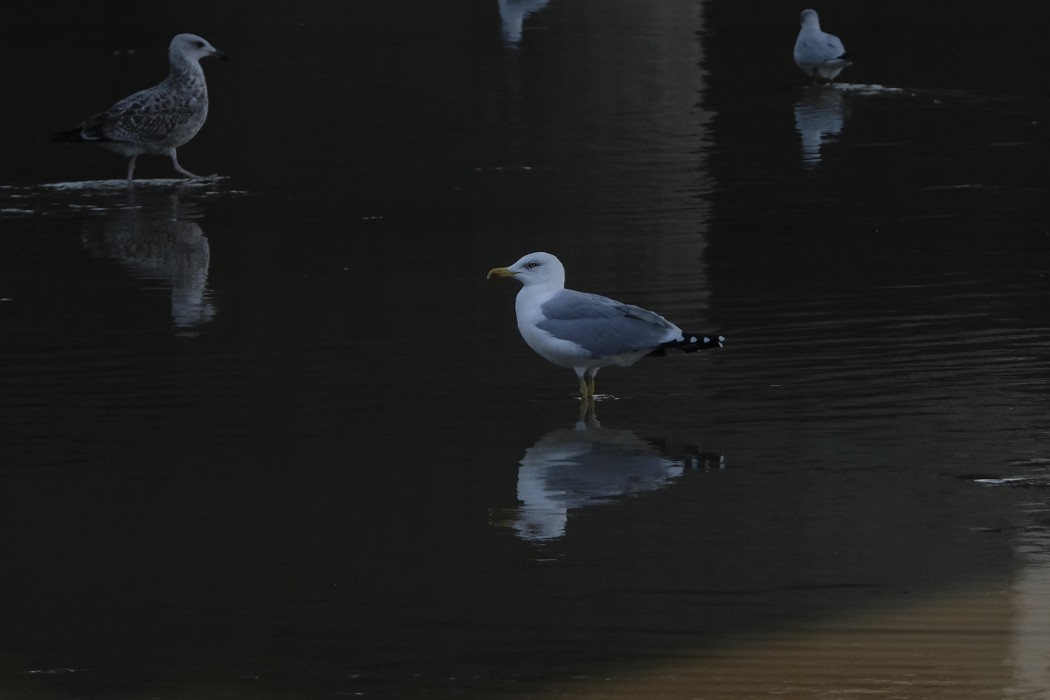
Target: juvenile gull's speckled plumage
{"x": 586, "y": 332}
{"x": 818, "y": 54}
{"x": 159, "y": 119}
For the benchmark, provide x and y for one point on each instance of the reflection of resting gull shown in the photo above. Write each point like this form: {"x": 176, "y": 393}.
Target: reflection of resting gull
{"x": 586, "y": 332}
{"x": 159, "y": 119}
{"x": 819, "y": 116}
{"x": 819, "y": 54}
{"x": 512, "y": 14}
{"x": 569, "y": 469}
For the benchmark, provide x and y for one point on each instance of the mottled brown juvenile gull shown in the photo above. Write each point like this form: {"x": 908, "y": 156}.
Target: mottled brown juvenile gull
{"x": 586, "y": 332}
{"x": 159, "y": 119}
{"x": 818, "y": 54}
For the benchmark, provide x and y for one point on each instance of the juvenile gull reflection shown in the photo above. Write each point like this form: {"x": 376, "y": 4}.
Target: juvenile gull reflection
{"x": 512, "y": 15}
{"x": 158, "y": 244}
{"x": 572, "y": 468}
{"x": 819, "y": 117}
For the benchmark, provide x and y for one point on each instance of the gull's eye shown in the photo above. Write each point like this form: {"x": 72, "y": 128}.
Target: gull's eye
{"x": 199, "y": 44}
{"x": 531, "y": 265}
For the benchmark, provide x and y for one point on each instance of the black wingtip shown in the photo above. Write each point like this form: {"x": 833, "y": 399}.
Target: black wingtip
{"x": 691, "y": 342}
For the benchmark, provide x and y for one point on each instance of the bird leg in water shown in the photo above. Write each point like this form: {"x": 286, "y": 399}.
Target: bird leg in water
{"x": 587, "y": 412}
{"x": 586, "y": 390}
{"x": 131, "y": 168}
{"x": 184, "y": 171}
{"x": 587, "y": 383}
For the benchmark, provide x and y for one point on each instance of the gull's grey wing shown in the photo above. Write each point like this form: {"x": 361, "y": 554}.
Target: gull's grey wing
{"x": 833, "y": 46}
{"x": 818, "y": 48}
{"x": 603, "y": 326}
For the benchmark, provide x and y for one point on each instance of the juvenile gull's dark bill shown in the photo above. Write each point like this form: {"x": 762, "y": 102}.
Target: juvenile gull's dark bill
{"x": 159, "y": 119}
{"x": 586, "y": 332}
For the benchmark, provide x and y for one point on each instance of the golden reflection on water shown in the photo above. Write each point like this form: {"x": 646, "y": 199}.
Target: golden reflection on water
{"x": 1029, "y": 647}
{"x": 987, "y": 640}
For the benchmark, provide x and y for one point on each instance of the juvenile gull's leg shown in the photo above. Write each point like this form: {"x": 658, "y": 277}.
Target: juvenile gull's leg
{"x": 184, "y": 171}
{"x": 131, "y": 168}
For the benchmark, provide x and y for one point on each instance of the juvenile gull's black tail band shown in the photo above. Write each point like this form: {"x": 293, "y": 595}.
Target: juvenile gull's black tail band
{"x": 691, "y": 343}
{"x": 73, "y": 135}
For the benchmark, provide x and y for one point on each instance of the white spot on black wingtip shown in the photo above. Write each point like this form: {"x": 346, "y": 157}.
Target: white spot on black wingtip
{"x": 692, "y": 339}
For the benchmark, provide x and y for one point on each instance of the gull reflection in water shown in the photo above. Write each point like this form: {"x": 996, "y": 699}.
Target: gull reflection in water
{"x": 572, "y": 468}
{"x": 512, "y": 15}
{"x": 158, "y": 242}
{"x": 819, "y": 116}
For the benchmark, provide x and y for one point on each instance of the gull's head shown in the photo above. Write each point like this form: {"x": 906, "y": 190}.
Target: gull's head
{"x": 809, "y": 18}
{"x": 193, "y": 47}
{"x": 534, "y": 269}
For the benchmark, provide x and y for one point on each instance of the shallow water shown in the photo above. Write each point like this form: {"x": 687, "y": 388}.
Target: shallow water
{"x": 273, "y": 434}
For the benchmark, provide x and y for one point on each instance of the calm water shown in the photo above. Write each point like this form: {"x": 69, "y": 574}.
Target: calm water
{"x": 274, "y": 435}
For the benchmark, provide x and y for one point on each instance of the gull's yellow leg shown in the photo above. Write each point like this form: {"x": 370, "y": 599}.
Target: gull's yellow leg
{"x": 586, "y": 396}
{"x": 586, "y": 409}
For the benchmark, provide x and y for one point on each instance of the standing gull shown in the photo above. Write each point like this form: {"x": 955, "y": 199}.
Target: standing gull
{"x": 159, "y": 119}
{"x": 586, "y": 332}
{"x": 817, "y": 53}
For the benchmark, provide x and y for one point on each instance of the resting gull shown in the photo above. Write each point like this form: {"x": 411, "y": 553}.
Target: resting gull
{"x": 159, "y": 119}
{"x": 586, "y": 332}
{"x": 820, "y": 55}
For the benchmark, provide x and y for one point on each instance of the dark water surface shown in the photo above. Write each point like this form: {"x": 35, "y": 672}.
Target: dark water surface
{"x": 274, "y": 435}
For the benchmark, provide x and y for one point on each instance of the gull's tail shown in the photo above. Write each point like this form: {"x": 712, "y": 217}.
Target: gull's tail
{"x": 690, "y": 342}
{"x": 90, "y": 130}
{"x": 71, "y": 136}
